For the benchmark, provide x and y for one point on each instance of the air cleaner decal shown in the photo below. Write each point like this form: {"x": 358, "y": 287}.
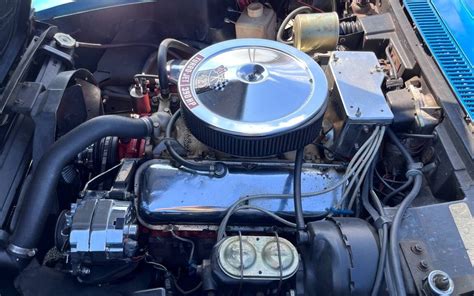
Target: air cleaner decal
{"x": 185, "y": 82}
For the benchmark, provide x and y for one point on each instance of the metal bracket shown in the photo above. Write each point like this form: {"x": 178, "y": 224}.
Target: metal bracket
{"x": 44, "y": 112}
{"x": 24, "y": 97}
{"x": 20, "y": 251}
{"x": 61, "y": 55}
{"x": 23, "y": 66}
{"x": 418, "y": 260}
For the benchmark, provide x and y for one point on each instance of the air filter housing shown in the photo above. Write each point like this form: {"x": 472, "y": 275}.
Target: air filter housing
{"x": 253, "y": 97}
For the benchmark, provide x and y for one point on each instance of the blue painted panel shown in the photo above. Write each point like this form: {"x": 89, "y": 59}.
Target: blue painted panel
{"x": 458, "y": 16}
{"x": 446, "y": 27}
{"x": 48, "y": 9}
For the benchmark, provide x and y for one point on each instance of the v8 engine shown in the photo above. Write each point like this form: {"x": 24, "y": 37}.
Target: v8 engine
{"x": 271, "y": 148}
{"x": 248, "y": 104}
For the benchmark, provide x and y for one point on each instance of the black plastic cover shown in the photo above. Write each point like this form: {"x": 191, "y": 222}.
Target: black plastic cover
{"x": 341, "y": 257}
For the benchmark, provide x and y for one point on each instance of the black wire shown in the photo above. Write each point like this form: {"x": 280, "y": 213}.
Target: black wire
{"x": 376, "y": 212}
{"x": 394, "y": 191}
{"x": 216, "y": 168}
{"x": 384, "y": 182}
{"x": 310, "y": 217}
{"x": 421, "y": 136}
{"x": 115, "y": 45}
{"x": 365, "y": 194}
{"x": 388, "y": 273}
{"x": 241, "y": 257}
{"x": 109, "y": 276}
{"x": 383, "y": 235}
{"x": 279, "y": 263}
{"x": 382, "y": 265}
{"x": 406, "y": 155}
{"x": 300, "y": 225}
{"x": 407, "y": 184}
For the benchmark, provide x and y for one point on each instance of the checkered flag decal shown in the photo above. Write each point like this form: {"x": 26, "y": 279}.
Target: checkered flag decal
{"x": 220, "y": 85}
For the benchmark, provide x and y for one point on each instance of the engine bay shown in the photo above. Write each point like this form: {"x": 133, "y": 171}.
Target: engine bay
{"x": 230, "y": 148}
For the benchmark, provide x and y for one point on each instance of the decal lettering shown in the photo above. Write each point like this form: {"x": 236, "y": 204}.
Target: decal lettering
{"x": 185, "y": 82}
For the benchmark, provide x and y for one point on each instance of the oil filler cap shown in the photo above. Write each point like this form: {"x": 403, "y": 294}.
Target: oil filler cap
{"x": 253, "y": 97}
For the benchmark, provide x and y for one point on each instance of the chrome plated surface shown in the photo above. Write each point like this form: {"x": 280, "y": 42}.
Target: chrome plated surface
{"x": 171, "y": 195}
{"x": 358, "y": 78}
{"x": 17, "y": 250}
{"x": 261, "y": 257}
{"x": 253, "y": 87}
{"x": 439, "y": 283}
{"x": 100, "y": 226}
{"x": 357, "y": 102}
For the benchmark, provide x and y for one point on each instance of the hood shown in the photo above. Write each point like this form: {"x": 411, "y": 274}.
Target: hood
{"x": 14, "y": 24}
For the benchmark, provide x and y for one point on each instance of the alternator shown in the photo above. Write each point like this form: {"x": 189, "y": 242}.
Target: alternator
{"x": 101, "y": 230}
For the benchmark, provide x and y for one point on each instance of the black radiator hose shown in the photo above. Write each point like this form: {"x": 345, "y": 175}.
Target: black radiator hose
{"x": 40, "y": 192}
{"x": 163, "y": 58}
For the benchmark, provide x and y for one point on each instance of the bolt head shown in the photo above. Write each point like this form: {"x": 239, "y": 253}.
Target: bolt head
{"x": 417, "y": 249}
{"x": 423, "y": 265}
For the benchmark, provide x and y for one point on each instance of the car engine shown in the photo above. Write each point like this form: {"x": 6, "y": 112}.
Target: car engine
{"x": 249, "y": 148}
{"x": 248, "y": 104}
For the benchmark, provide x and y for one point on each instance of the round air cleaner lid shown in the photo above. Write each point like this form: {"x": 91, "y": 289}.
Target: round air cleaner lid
{"x": 250, "y": 88}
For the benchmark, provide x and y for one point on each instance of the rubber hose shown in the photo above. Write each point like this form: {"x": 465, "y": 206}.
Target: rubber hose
{"x": 382, "y": 261}
{"x": 398, "y": 190}
{"x": 394, "y": 247}
{"x": 376, "y": 212}
{"x": 162, "y": 59}
{"x": 214, "y": 169}
{"x": 394, "y": 250}
{"x": 300, "y": 225}
{"x": 41, "y": 190}
{"x": 289, "y": 17}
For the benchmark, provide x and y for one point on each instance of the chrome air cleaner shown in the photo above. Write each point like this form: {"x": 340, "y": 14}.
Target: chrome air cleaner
{"x": 253, "y": 97}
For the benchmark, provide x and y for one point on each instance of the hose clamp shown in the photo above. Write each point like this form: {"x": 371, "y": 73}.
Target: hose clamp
{"x": 149, "y": 125}
{"x": 414, "y": 169}
{"x": 381, "y": 221}
{"x": 20, "y": 251}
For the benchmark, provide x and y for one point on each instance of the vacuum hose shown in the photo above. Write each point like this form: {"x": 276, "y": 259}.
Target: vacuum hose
{"x": 165, "y": 45}
{"x": 414, "y": 172}
{"x": 40, "y": 192}
{"x": 215, "y": 169}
